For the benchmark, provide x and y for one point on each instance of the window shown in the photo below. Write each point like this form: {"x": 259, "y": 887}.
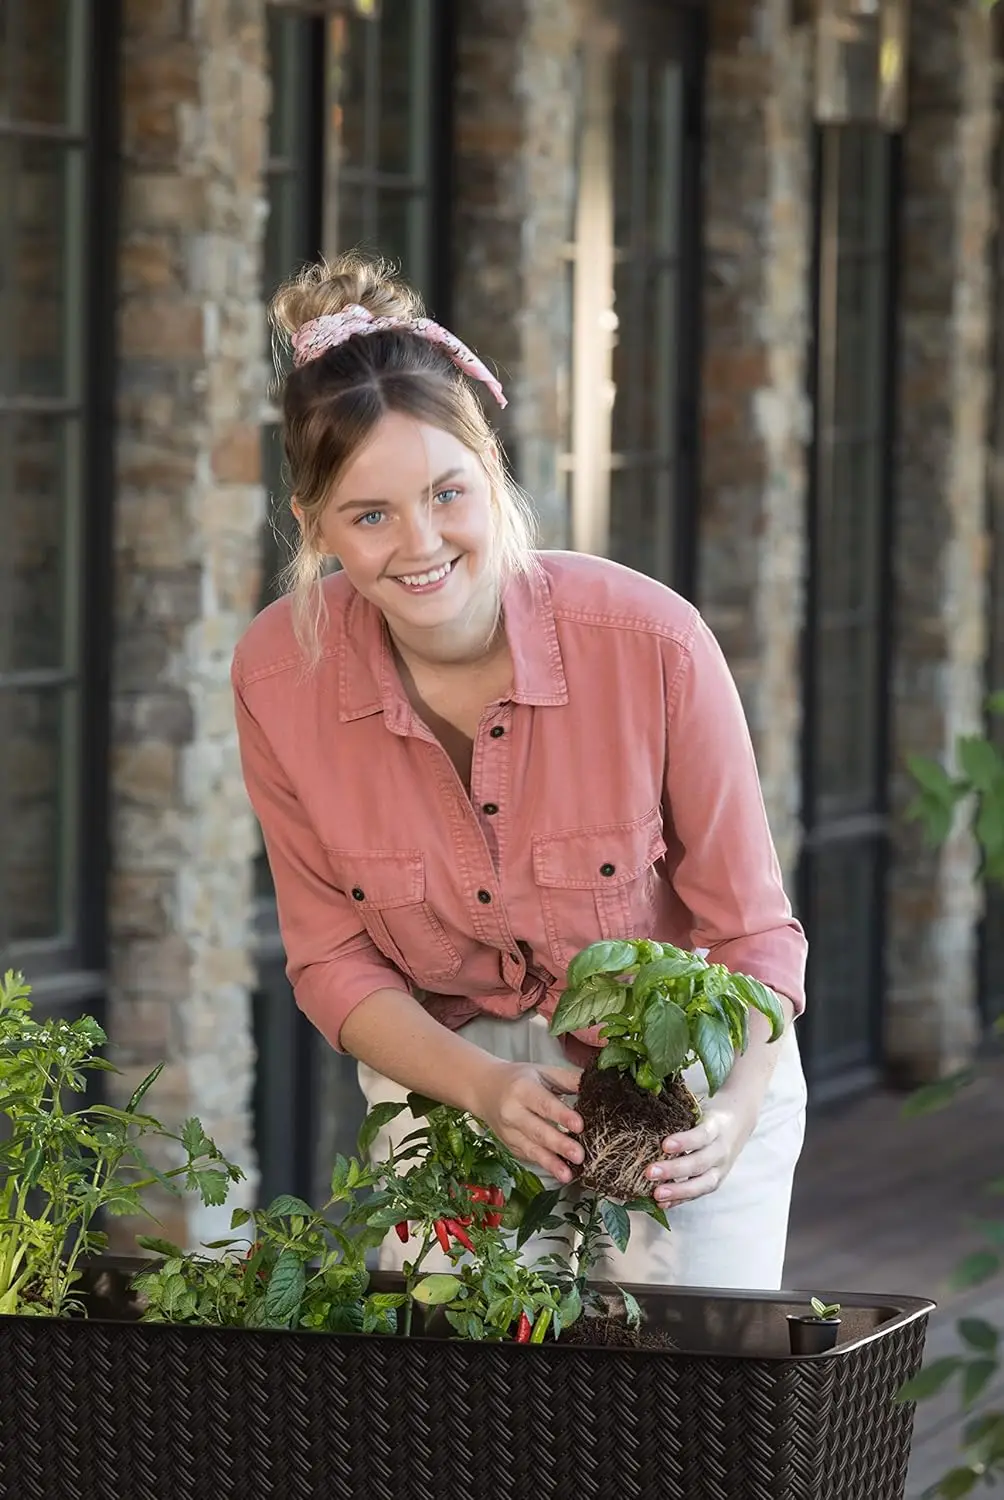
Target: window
{"x": 635, "y": 295}
{"x": 847, "y": 614}
{"x": 57, "y": 313}
{"x": 356, "y": 139}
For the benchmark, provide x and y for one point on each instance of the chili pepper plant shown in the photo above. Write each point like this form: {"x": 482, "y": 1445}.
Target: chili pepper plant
{"x": 61, "y": 1166}
{"x": 660, "y": 1010}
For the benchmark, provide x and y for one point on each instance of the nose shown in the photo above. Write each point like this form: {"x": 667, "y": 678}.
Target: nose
{"x": 420, "y": 533}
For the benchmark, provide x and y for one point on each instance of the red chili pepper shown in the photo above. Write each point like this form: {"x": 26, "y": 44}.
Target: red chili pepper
{"x": 460, "y": 1234}
{"x": 442, "y": 1236}
{"x": 402, "y": 1231}
{"x": 524, "y": 1329}
{"x": 496, "y": 1198}
{"x": 479, "y": 1194}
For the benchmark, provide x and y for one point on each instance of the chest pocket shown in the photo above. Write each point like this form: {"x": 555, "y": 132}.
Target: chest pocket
{"x": 598, "y": 883}
{"x": 388, "y": 889}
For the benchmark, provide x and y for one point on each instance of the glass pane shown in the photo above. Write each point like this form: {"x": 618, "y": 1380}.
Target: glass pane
{"x": 841, "y": 922}
{"x": 356, "y": 206}
{"x": 42, "y": 451}
{"x": 37, "y": 49}
{"x": 403, "y": 73}
{"x": 630, "y": 356}
{"x": 845, "y": 715}
{"x": 861, "y": 338}
{"x": 664, "y": 159}
{"x": 35, "y": 811}
{"x": 629, "y": 125}
{"x": 42, "y": 281}
{"x": 850, "y": 513}
{"x": 399, "y": 234}
{"x": 357, "y": 59}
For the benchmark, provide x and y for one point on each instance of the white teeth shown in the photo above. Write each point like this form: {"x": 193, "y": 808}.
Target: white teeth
{"x": 416, "y": 580}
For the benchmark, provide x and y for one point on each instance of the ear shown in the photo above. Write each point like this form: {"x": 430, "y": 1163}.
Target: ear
{"x": 297, "y": 510}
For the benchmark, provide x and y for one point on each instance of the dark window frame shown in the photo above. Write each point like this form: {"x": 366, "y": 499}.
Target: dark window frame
{"x": 69, "y": 971}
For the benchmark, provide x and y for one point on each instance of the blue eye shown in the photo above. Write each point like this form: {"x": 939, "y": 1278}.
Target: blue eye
{"x": 369, "y": 517}
{"x": 446, "y": 497}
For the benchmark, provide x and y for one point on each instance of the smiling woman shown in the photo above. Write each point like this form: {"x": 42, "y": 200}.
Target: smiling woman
{"x": 471, "y": 760}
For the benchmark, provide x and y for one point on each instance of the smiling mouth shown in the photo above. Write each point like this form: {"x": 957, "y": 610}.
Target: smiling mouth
{"x": 429, "y": 578}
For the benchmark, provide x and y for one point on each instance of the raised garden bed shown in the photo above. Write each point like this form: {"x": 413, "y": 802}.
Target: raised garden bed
{"x": 112, "y": 1409}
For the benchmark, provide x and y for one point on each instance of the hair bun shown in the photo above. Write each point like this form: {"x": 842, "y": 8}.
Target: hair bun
{"x": 330, "y": 286}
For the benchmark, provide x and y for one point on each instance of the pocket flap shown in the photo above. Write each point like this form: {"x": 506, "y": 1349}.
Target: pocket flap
{"x": 381, "y": 878}
{"x": 592, "y": 858}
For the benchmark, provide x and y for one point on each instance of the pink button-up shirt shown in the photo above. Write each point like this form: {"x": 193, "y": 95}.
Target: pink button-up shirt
{"x": 614, "y": 793}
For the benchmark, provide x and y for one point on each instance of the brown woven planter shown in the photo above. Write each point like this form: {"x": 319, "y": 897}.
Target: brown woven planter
{"x": 106, "y": 1410}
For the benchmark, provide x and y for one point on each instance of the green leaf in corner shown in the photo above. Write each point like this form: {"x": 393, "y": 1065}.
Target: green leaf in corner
{"x": 160, "y": 1247}
{"x": 240, "y": 1217}
{"x": 601, "y": 958}
{"x": 976, "y": 1268}
{"x": 284, "y": 1292}
{"x": 975, "y": 1378}
{"x": 437, "y": 1289}
{"x": 931, "y": 1097}
{"x": 932, "y": 1379}
{"x": 194, "y": 1139}
{"x": 212, "y": 1184}
{"x": 379, "y": 1116}
{"x": 616, "y": 1222}
{"x": 615, "y": 1055}
{"x": 676, "y": 965}
{"x": 666, "y": 1035}
{"x": 955, "y": 1485}
{"x": 979, "y": 1335}
{"x": 651, "y": 1208}
{"x": 288, "y": 1207}
{"x": 763, "y": 999}
{"x": 713, "y": 1046}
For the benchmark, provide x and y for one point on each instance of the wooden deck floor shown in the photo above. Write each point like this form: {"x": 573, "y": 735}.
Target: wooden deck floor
{"x": 884, "y": 1204}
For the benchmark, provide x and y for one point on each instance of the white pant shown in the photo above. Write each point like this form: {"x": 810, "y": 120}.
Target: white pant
{"x": 734, "y": 1237}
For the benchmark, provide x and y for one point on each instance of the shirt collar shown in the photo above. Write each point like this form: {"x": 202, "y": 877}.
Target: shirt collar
{"x": 368, "y": 682}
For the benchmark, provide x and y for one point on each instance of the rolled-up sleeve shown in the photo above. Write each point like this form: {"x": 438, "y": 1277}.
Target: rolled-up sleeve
{"x": 331, "y": 961}
{"x": 721, "y": 855}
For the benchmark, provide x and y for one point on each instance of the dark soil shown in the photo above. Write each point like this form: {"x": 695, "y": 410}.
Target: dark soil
{"x": 624, "y": 1127}
{"x": 614, "y": 1333}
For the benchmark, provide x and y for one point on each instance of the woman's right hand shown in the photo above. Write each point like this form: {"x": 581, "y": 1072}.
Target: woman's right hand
{"x": 522, "y": 1104}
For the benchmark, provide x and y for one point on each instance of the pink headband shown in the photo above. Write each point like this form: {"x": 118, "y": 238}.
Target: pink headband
{"x": 313, "y": 338}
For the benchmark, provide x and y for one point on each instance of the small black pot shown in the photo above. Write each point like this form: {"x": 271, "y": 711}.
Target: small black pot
{"x": 808, "y": 1334}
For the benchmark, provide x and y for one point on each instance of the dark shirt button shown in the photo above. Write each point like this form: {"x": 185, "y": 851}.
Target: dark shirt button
{"x": 484, "y": 897}
{"x": 608, "y": 869}
{"x": 491, "y": 808}
{"x": 357, "y": 894}
{"x": 497, "y": 732}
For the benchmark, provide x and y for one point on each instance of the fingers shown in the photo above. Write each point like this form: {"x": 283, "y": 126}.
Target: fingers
{"x": 692, "y": 1140}
{"x": 562, "y": 1080}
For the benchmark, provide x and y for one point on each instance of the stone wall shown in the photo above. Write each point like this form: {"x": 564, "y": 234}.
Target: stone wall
{"x": 514, "y": 184}
{"x": 188, "y": 519}
{"x": 755, "y": 412}
{"x": 941, "y": 545}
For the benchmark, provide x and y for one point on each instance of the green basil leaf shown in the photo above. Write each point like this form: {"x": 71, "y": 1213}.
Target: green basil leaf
{"x": 587, "y": 1005}
{"x": 617, "y": 1223}
{"x": 662, "y": 971}
{"x": 714, "y": 1047}
{"x": 615, "y": 1055}
{"x": 286, "y": 1206}
{"x": 601, "y": 958}
{"x": 666, "y": 1035}
{"x": 762, "y": 999}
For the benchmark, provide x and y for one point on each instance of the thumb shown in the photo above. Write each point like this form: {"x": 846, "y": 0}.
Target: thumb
{"x": 562, "y": 1080}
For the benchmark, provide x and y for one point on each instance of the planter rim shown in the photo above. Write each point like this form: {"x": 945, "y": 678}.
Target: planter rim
{"x": 904, "y": 1310}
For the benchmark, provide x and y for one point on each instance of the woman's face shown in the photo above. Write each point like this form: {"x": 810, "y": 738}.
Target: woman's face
{"x": 410, "y": 522}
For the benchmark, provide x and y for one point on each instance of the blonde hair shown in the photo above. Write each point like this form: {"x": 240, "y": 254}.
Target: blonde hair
{"x": 332, "y": 403}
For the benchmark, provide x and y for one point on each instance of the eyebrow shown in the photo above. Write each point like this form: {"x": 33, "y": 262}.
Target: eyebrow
{"x": 371, "y": 504}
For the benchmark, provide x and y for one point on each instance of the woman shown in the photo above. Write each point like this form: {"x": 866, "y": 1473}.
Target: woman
{"x": 471, "y": 760}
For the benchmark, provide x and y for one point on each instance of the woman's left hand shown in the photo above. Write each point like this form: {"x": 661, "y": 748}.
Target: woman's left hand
{"x": 697, "y": 1161}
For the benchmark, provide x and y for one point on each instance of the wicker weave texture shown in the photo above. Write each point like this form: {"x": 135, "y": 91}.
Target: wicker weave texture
{"x": 102, "y": 1411}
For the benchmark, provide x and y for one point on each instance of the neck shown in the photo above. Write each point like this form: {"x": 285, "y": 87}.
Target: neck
{"x": 464, "y": 642}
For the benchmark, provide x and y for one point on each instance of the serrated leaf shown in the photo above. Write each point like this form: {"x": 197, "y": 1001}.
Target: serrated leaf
{"x": 714, "y": 1047}
{"x": 287, "y": 1206}
{"x": 601, "y": 958}
{"x": 212, "y": 1185}
{"x": 631, "y": 1309}
{"x": 285, "y": 1288}
{"x": 929, "y": 1381}
{"x": 437, "y": 1289}
{"x": 195, "y": 1140}
{"x": 616, "y": 1222}
{"x": 379, "y": 1116}
{"x": 979, "y": 1335}
{"x": 666, "y": 1035}
{"x": 160, "y": 1247}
